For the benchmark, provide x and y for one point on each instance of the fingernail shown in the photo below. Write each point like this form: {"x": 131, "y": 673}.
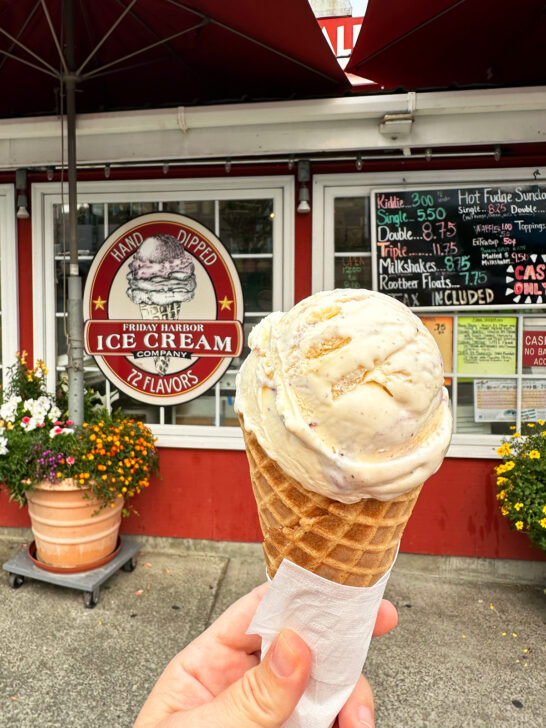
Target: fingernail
{"x": 365, "y": 716}
{"x": 284, "y": 658}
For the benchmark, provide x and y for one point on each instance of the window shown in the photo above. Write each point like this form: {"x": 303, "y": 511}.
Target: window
{"x": 252, "y": 217}
{"x": 494, "y": 359}
{"x": 9, "y": 339}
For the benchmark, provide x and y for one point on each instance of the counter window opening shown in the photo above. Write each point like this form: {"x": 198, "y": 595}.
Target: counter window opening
{"x": 249, "y": 216}
{"x": 494, "y": 357}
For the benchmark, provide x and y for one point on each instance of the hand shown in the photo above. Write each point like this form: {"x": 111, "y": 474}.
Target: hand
{"x": 218, "y": 679}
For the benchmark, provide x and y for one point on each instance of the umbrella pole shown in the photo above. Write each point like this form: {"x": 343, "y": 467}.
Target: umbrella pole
{"x": 75, "y": 306}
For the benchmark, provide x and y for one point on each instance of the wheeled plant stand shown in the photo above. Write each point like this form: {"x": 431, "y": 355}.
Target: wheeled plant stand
{"x": 22, "y": 567}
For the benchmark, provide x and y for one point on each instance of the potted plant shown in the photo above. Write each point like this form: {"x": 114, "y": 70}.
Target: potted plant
{"x": 521, "y": 481}
{"x": 77, "y": 481}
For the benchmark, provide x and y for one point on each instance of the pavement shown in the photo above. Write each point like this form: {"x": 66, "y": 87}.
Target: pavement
{"x": 469, "y": 650}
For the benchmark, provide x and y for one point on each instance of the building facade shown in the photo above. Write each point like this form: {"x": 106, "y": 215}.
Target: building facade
{"x": 237, "y": 169}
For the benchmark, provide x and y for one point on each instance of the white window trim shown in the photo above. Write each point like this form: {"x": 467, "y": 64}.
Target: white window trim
{"x": 328, "y": 186}
{"x": 9, "y": 276}
{"x": 45, "y": 195}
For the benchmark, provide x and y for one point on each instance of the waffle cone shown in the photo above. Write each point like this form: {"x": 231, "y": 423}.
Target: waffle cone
{"x": 353, "y": 544}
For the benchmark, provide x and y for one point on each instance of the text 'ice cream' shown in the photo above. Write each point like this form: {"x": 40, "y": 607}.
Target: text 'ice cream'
{"x": 345, "y": 393}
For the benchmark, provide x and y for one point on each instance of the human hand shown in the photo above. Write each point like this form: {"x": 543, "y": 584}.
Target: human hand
{"x": 218, "y": 679}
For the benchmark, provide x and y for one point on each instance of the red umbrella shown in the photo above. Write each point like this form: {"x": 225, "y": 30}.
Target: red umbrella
{"x": 106, "y": 55}
{"x": 153, "y": 53}
{"x": 451, "y": 43}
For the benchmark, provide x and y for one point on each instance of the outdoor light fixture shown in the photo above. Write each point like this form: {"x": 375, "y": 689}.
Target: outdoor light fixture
{"x": 304, "y": 175}
{"x": 165, "y": 167}
{"x": 21, "y": 187}
{"x": 50, "y": 173}
{"x": 396, "y": 125}
{"x": 227, "y": 165}
{"x": 358, "y": 162}
{"x": 107, "y": 171}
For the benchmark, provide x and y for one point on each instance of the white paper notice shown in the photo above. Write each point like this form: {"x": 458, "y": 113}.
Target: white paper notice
{"x": 336, "y": 621}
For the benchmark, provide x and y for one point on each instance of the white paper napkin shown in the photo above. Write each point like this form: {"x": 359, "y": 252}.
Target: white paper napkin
{"x": 336, "y": 621}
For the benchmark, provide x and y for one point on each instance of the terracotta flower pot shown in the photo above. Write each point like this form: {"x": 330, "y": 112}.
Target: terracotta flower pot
{"x": 66, "y": 532}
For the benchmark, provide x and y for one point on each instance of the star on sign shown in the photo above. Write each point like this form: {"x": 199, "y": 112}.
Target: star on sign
{"x": 225, "y": 303}
{"x": 99, "y": 303}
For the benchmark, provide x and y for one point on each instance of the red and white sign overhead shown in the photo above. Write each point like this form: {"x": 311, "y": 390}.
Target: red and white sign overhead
{"x": 341, "y": 34}
{"x": 163, "y": 309}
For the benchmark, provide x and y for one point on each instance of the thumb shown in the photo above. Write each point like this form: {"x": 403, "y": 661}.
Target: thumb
{"x": 266, "y": 695}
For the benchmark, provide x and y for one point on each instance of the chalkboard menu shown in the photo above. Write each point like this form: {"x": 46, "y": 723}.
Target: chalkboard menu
{"x": 471, "y": 246}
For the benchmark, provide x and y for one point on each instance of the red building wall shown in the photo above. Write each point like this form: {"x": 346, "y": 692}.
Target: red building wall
{"x": 206, "y": 494}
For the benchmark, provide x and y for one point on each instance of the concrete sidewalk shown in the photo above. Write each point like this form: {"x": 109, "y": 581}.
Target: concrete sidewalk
{"x": 469, "y": 650}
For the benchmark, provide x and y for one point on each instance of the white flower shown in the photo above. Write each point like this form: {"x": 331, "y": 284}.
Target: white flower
{"x": 39, "y": 408}
{"x": 8, "y": 410}
{"x": 54, "y": 413}
{"x": 58, "y": 430}
{"x": 30, "y": 424}
{"x": 3, "y": 445}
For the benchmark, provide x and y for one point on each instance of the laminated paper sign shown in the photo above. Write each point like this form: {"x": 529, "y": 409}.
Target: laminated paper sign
{"x": 486, "y": 345}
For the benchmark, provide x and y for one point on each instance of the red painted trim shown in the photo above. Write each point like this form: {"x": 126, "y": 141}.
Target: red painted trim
{"x": 24, "y": 270}
{"x": 302, "y": 248}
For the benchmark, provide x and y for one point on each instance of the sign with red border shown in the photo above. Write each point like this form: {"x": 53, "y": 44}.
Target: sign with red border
{"x": 163, "y": 309}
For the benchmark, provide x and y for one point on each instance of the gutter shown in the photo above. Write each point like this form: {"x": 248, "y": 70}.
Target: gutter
{"x": 333, "y": 124}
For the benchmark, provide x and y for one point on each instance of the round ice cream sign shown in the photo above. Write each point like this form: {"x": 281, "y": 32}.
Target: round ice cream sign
{"x": 163, "y": 309}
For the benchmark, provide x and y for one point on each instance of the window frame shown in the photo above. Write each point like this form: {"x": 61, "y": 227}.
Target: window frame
{"x": 326, "y": 187}
{"x": 9, "y": 277}
{"x": 45, "y": 195}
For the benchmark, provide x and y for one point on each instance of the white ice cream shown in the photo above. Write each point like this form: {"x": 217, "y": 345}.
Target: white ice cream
{"x": 345, "y": 392}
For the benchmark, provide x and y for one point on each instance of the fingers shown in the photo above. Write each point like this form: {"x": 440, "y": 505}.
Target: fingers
{"x": 387, "y": 618}
{"x": 358, "y": 710}
{"x": 266, "y": 695}
{"x": 230, "y": 628}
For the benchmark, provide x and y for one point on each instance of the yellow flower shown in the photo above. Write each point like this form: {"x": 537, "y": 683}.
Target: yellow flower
{"x": 534, "y": 454}
{"x": 518, "y": 506}
{"x": 519, "y": 525}
{"x": 504, "y": 467}
{"x": 505, "y": 510}
{"x": 516, "y": 434}
{"x": 540, "y": 422}
{"x": 544, "y": 509}
{"x": 504, "y": 449}
{"x": 543, "y": 522}
{"x": 530, "y": 424}
{"x": 501, "y": 495}
{"x": 501, "y": 480}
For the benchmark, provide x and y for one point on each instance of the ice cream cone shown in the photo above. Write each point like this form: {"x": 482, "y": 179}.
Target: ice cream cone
{"x": 353, "y": 544}
{"x": 161, "y": 312}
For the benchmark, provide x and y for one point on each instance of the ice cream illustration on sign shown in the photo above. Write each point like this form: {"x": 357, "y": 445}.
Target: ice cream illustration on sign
{"x": 161, "y": 278}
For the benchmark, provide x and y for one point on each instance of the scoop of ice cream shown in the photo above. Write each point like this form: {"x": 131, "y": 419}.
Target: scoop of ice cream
{"x": 345, "y": 392}
{"x": 161, "y": 272}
